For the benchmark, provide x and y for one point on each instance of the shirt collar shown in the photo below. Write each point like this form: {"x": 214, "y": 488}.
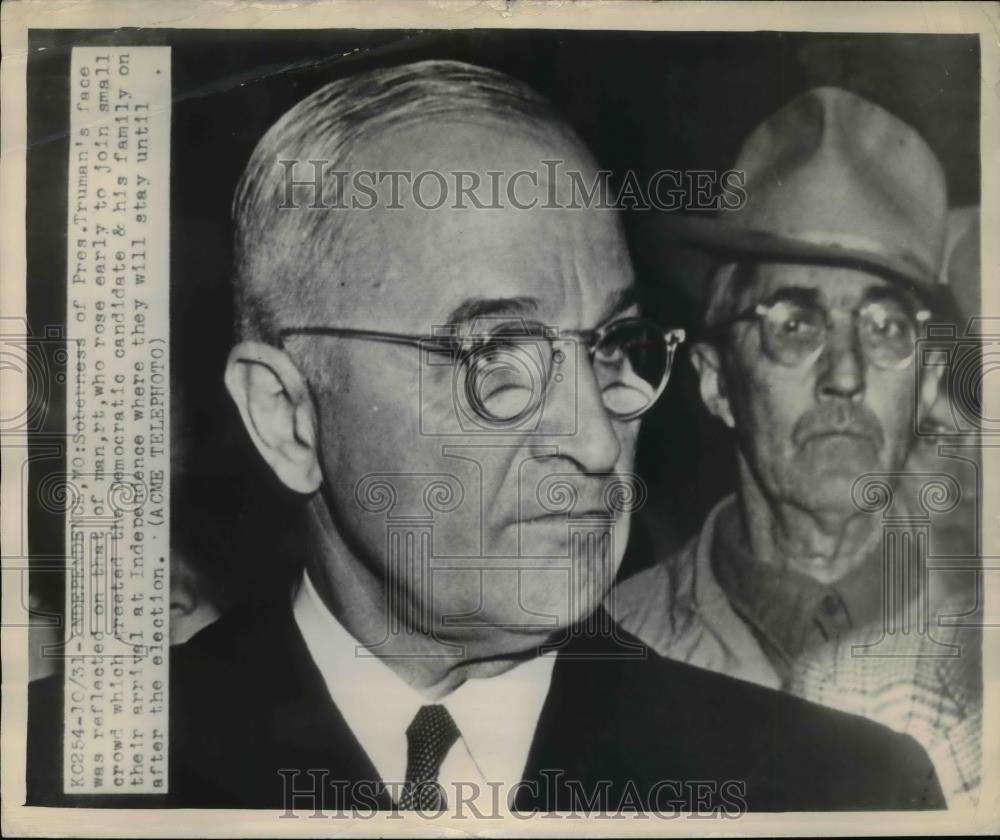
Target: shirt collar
{"x": 790, "y": 612}
{"x": 496, "y": 716}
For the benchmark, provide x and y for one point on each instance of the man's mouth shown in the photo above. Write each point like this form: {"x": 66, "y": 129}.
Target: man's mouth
{"x": 838, "y": 423}
{"x": 569, "y": 516}
{"x": 589, "y": 514}
{"x": 835, "y": 433}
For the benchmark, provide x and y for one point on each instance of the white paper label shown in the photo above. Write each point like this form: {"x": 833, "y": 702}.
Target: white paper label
{"x": 117, "y": 407}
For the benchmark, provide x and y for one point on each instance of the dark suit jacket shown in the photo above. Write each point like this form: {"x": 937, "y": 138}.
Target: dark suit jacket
{"x": 621, "y": 727}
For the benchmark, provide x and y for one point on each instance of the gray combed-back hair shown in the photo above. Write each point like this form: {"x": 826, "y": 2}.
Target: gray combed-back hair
{"x": 282, "y": 256}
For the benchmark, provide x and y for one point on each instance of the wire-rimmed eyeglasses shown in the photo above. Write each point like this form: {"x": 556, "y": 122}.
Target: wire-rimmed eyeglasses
{"x": 793, "y": 332}
{"x": 505, "y": 372}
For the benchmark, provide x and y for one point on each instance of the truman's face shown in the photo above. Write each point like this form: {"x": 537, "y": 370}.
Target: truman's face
{"x": 807, "y": 431}
{"x": 407, "y": 468}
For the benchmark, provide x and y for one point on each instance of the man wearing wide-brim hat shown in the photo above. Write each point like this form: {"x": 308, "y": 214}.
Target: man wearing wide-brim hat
{"x": 824, "y": 282}
{"x": 930, "y": 684}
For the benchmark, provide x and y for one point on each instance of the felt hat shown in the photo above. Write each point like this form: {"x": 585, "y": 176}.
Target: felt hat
{"x": 833, "y": 179}
{"x": 962, "y": 262}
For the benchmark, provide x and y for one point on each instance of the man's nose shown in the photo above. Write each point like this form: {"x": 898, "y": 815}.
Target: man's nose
{"x": 575, "y": 420}
{"x": 842, "y": 364}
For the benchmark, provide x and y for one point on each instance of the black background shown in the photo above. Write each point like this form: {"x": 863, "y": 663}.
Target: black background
{"x": 641, "y": 101}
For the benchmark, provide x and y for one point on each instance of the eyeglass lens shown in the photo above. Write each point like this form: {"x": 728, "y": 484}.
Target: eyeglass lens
{"x": 886, "y": 332}
{"x": 631, "y": 363}
{"x": 508, "y": 373}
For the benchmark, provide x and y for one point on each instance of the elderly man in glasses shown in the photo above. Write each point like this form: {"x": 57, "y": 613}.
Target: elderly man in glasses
{"x": 823, "y": 283}
{"x": 455, "y": 393}
{"x": 928, "y": 681}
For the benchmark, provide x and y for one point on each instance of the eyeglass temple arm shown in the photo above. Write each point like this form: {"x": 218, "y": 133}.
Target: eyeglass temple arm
{"x": 673, "y": 336}
{"x": 375, "y": 335}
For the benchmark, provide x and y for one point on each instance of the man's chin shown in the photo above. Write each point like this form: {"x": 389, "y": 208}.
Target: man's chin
{"x": 829, "y": 495}
{"x": 830, "y": 465}
{"x": 569, "y": 594}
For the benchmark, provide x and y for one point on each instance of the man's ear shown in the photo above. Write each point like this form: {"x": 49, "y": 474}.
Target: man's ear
{"x": 183, "y": 592}
{"x": 708, "y": 365}
{"x": 277, "y": 409}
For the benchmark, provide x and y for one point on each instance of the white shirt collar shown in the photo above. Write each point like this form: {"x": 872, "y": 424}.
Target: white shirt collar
{"x": 496, "y": 716}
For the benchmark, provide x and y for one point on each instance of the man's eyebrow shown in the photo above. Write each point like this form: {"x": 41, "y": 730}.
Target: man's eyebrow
{"x": 479, "y": 307}
{"x": 894, "y": 294}
{"x": 801, "y": 295}
{"x": 620, "y": 301}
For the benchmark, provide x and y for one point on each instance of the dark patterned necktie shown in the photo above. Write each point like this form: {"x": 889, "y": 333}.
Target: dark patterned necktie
{"x": 428, "y": 740}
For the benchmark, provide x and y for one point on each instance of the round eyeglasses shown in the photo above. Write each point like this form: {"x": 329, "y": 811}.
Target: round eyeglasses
{"x": 503, "y": 373}
{"x": 792, "y": 332}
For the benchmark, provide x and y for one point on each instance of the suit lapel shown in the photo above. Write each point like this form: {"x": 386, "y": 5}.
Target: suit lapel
{"x": 579, "y": 740}
{"x": 260, "y": 724}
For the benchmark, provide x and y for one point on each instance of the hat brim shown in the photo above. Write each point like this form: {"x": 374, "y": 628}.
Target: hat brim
{"x": 732, "y": 242}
